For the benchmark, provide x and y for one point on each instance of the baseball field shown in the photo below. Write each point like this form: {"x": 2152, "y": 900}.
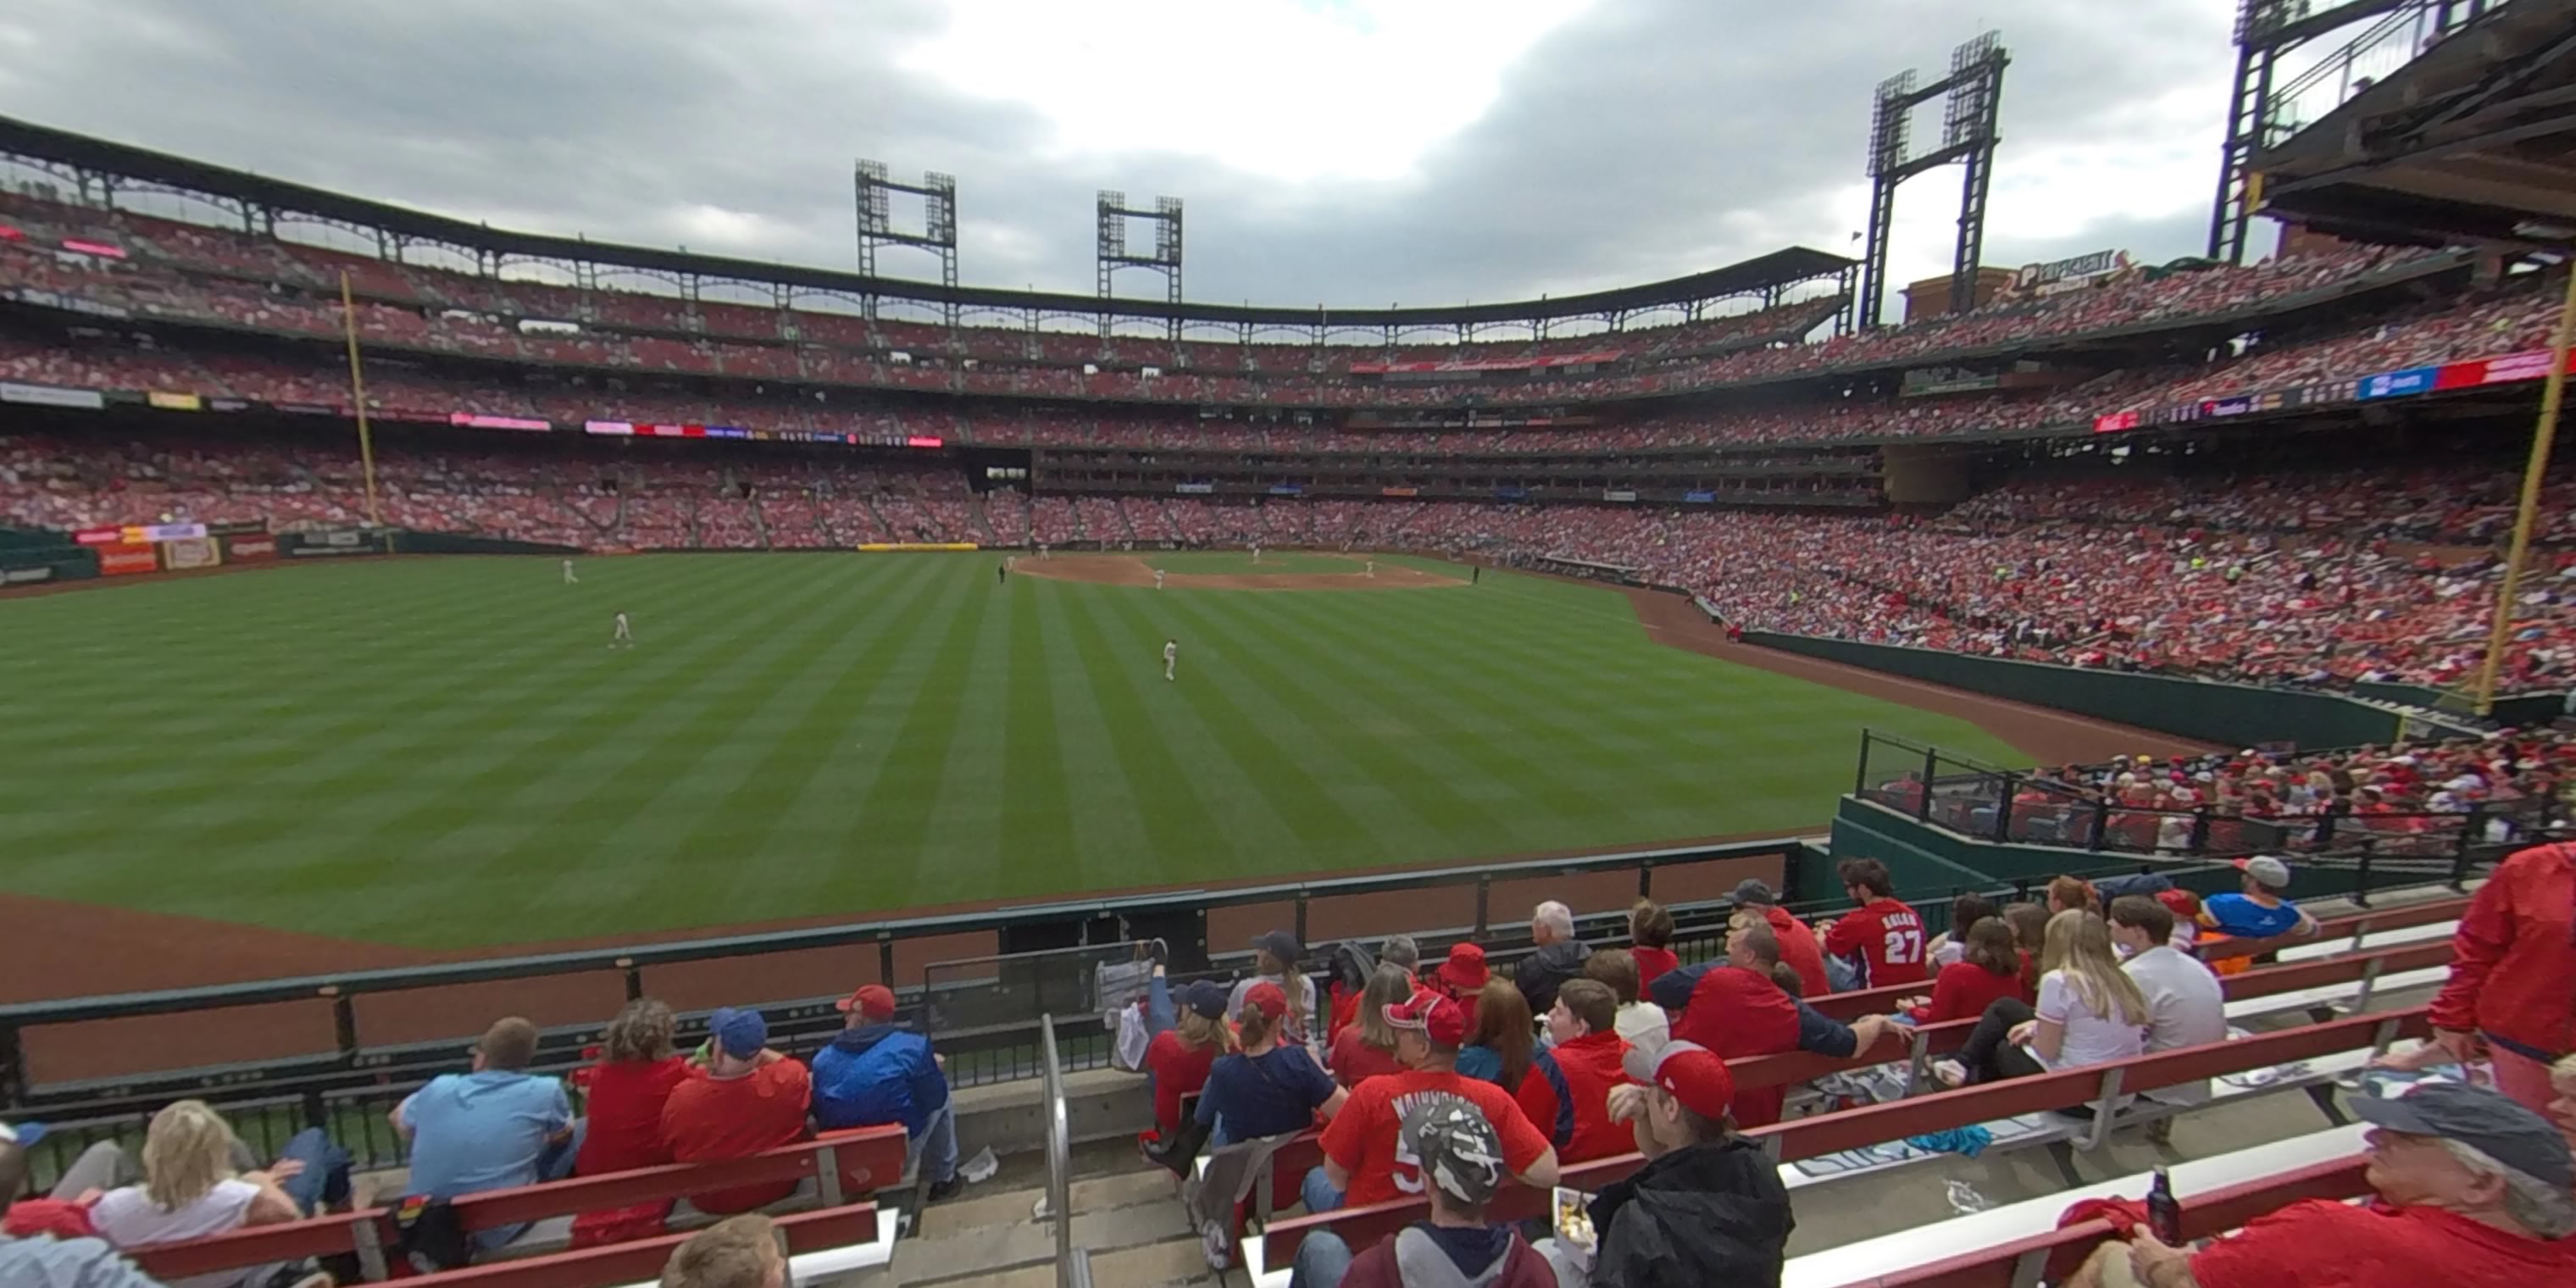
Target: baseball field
{"x": 449, "y": 753}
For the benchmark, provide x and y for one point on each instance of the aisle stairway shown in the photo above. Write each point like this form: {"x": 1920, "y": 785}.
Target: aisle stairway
{"x": 1126, "y": 1214}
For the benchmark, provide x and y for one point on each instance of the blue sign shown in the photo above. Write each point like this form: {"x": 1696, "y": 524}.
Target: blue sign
{"x": 2394, "y": 384}
{"x": 2227, "y": 406}
{"x": 1286, "y": 489}
{"x": 1701, "y": 498}
{"x": 1511, "y": 493}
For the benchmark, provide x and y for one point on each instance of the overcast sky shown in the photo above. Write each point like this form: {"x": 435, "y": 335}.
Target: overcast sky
{"x": 1348, "y": 152}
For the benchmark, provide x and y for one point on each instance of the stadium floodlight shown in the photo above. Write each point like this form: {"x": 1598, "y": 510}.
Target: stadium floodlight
{"x": 1974, "y": 89}
{"x": 938, "y": 235}
{"x": 1111, "y": 214}
{"x": 1964, "y": 116}
{"x": 1891, "y": 123}
{"x": 2260, "y": 18}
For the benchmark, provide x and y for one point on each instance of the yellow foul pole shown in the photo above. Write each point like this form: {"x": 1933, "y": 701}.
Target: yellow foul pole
{"x": 358, "y": 399}
{"x": 2552, "y": 395}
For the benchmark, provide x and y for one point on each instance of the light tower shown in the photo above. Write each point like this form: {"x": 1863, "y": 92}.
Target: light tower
{"x": 1112, "y": 252}
{"x": 1969, "y": 133}
{"x": 938, "y": 235}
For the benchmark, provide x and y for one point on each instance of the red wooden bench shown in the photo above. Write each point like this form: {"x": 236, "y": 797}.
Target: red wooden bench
{"x": 1823, "y": 1134}
{"x": 642, "y": 1261}
{"x": 2056, "y": 1254}
{"x": 844, "y": 1165}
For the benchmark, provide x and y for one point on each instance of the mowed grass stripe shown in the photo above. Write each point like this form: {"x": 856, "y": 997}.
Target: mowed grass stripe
{"x": 1103, "y": 823}
{"x": 1279, "y": 772}
{"x": 442, "y": 752}
{"x": 1365, "y": 755}
{"x": 604, "y": 705}
{"x": 1182, "y": 826}
{"x": 1034, "y": 808}
{"x": 710, "y": 738}
{"x": 813, "y": 830}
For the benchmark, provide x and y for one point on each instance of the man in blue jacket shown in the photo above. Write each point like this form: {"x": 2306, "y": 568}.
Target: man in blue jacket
{"x": 877, "y": 1071}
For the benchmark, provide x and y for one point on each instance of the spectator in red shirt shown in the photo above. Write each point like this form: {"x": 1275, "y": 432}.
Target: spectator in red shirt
{"x": 1462, "y": 1166}
{"x": 1178, "y": 1058}
{"x": 1878, "y": 943}
{"x": 624, "y": 1095}
{"x": 1367, "y": 1048}
{"x": 1650, "y": 939}
{"x": 742, "y": 1099}
{"x": 1990, "y": 968}
{"x": 1567, "y": 1094}
{"x": 2511, "y": 961}
{"x": 1365, "y": 1158}
{"x": 1743, "y": 1008}
{"x": 2473, "y": 1192}
{"x": 1798, "y": 945}
{"x": 1462, "y": 978}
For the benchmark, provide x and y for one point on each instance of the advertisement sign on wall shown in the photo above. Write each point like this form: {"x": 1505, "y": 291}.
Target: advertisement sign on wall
{"x": 195, "y": 552}
{"x": 49, "y": 396}
{"x": 250, "y": 548}
{"x": 119, "y": 561}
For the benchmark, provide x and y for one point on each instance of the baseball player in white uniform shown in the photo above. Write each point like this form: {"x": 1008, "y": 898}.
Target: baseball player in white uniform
{"x": 1158, "y": 579}
{"x": 622, "y": 633}
{"x": 1171, "y": 658}
{"x": 1372, "y": 567}
{"x": 569, "y": 579}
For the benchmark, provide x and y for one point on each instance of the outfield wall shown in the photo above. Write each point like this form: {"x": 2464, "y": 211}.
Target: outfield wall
{"x": 2237, "y": 715}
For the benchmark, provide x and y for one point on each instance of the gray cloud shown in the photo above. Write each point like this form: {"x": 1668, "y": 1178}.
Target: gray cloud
{"x": 1648, "y": 138}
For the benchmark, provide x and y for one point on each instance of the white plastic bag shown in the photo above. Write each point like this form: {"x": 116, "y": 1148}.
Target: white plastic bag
{"x": 1132, "y": 1040}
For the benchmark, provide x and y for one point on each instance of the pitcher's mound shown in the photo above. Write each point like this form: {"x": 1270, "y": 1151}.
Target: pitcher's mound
{"x": 1138, "y": 570}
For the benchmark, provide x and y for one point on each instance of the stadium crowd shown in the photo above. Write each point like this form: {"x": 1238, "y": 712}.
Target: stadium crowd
{"x": 2306, "y": 578}
{"x": 159, "y": 269}
{"x": 1450, "y": 1080}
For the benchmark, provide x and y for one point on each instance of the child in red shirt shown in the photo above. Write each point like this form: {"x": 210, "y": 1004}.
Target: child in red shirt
{"x": 1365, "y": 1160}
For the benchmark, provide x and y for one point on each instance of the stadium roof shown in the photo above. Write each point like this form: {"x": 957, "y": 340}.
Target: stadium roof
{"x": 27, "y": 139}
{"x": 2473, "y": 141}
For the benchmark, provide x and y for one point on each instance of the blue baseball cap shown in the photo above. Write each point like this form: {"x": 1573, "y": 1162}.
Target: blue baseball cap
{"x": 1205, "y": 997}
{"x": 21, "y": 1134}
{"x": 738, "y": 1033}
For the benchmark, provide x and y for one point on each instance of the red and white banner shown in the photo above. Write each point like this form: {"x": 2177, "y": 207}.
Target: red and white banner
{"x": 119, "y": 561}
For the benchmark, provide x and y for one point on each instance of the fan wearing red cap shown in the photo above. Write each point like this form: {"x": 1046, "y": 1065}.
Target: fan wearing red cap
{"x": 1271, "y": 1087}
{"x": 878, "y": 1070}
{"x": 1713, "y": 1209}
{"x": 1365, "y": 1157}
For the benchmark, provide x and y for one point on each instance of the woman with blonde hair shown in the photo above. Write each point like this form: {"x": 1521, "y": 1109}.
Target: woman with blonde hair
{"x": 193, "y": 1186}
{"x": 1505, "y": 1039}
{"x": 2090, "y": 1011}
{"x": 1189, "y": 1035}
{"x": 1367, "y": 1048}
{"x": 621, "y": 1126}
{"x": 1271, "y": 1087}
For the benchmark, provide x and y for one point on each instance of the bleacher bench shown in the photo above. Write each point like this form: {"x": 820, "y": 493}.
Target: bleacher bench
{"x": 844, "y": 1165}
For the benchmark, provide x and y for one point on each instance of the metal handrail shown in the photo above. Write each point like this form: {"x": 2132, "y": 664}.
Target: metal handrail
{"x": 1059, "y": 1160}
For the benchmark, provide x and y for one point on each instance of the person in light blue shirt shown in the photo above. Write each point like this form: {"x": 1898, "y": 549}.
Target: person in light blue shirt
{"x": 495, "y": 1128}
{"x": 2260, "y": 912}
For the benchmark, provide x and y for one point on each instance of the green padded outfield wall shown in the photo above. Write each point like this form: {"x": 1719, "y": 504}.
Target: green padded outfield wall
{"x": 1922, "y": 857}
{"x": 2238, "y": 715}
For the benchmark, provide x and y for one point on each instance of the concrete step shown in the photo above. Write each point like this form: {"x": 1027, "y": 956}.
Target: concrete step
{"x": 1131, "y": 1222}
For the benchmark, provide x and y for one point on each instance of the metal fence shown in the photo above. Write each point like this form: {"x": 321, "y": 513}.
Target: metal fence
{"x": 986, "y": 1012}
{"x": 1988, "y": 803}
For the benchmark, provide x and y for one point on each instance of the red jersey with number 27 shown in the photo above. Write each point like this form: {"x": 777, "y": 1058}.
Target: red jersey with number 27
{"x": 1886, "y": 938}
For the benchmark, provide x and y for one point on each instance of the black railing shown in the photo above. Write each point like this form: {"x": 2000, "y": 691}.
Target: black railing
{"x": 2005, "y": 806}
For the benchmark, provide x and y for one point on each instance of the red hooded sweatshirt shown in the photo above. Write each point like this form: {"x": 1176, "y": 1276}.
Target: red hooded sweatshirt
{"x": 1735, "y": 1012}
{"x": 2514, "y": 955}
{"x": 1799, "y": 949}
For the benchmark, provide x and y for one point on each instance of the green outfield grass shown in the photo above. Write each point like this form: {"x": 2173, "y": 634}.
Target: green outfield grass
{"x": 445, "y": 752}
